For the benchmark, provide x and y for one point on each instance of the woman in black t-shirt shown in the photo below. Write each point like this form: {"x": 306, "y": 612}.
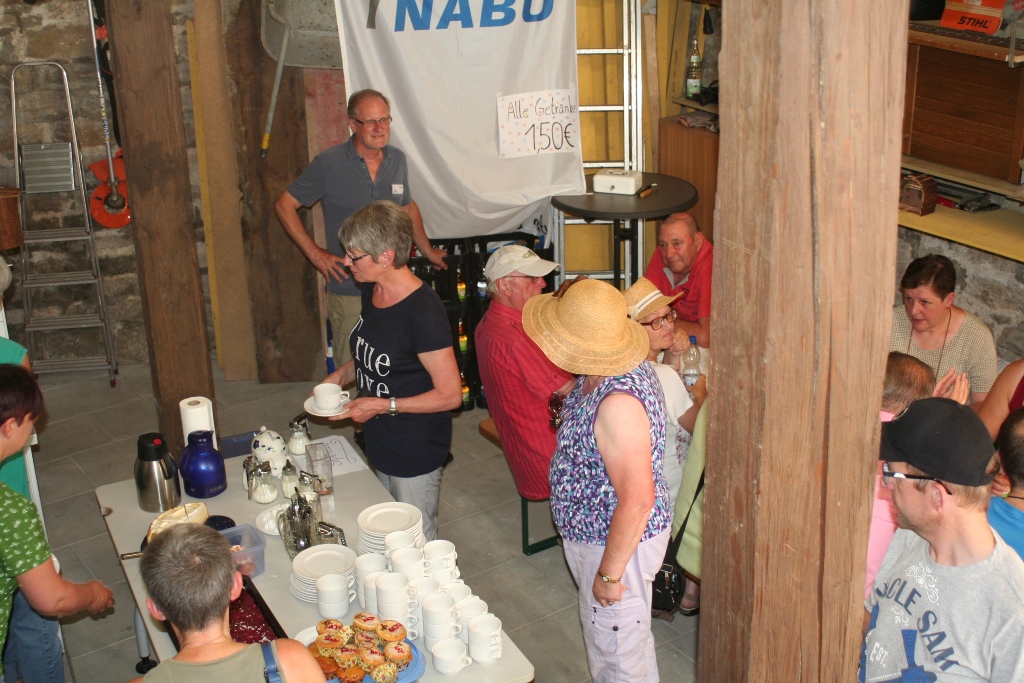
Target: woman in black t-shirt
{"x": 404, "y": 367}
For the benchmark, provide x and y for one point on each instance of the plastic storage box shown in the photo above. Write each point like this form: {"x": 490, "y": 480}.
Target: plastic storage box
{"x": 249, "y": 561}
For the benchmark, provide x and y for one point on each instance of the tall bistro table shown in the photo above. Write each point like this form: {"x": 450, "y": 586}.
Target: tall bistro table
{"x": 128, "y": 524}
{"x": 626, "y": 211}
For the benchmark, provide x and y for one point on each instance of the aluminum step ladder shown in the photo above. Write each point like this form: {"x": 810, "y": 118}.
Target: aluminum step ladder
{"x": 56, "y": 168}
{"x": 631, "y": 111}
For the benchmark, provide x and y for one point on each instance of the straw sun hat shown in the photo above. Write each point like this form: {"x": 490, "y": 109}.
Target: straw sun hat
{"x": 585, "y": 331}
{"x": 644, "y": 298}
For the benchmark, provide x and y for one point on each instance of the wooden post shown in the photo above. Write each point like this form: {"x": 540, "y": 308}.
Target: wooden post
{"x": 811, "y": 107}
{"x": 156, "y": 162}
{"x": 236, "y": 348}
{"x": 282, "y": 283}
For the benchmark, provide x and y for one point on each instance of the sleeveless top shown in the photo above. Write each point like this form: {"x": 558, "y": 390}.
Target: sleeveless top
{"x": 245, "y": 666}
{"x": 582, "y": 497}
{"x": 1017, "y": 400}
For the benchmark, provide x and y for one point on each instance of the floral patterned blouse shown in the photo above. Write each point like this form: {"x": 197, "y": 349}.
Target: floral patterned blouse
{"x": 582, "y": 497}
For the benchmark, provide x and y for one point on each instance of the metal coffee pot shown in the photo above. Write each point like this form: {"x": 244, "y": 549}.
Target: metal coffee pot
{"x": 156, "y": 475}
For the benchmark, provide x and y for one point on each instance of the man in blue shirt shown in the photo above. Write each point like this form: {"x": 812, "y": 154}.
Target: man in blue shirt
{"x": 344, "y": 179}
{"x": 1006, "y": 515}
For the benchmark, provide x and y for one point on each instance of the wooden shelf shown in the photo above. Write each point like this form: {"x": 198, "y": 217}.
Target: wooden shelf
{"x": 713, "y": 108}
{"x": 999, "y": 232}
{"x": 966, "y": 46}
{"x": 982, "y": 182}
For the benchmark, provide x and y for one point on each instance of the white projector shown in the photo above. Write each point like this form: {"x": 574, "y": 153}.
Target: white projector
{"x": 616, "y": 181}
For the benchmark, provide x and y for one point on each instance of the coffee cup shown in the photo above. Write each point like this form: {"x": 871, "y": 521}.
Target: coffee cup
{"x": 439, "y": 608}
{"x": 457, "y": 589}
{"x": 370, "y": 585}
{"x": 397, "y": 540}
{"x": 442, "y": 631}
{"x": 335, "y": 588}
{"x": 468, "y": 608}
{"x": 440, "y": 554}
{"x": 400, "y": 611}
{"x": 393, "y": 587}
{"x": 485, "y": 630}
{"x": 408, "y": 561}
{"x": 449, "y": 656}
{"x": 484, "y": 654}
{"x": 445, "y": 575}
{"x": 328, "y": 396}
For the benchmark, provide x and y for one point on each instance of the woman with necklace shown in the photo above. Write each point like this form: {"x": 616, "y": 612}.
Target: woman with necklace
{"x": 929, "y": 327}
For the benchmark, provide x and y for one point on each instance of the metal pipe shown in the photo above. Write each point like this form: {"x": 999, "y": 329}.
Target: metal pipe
{"x": 114, "y": 201}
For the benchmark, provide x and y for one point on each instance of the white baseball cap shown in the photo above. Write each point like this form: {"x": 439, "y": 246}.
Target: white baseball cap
{"x": 514, "y": 257}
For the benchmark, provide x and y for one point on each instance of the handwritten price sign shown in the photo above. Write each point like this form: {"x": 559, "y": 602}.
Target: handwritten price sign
{"x": 540, "y": 122}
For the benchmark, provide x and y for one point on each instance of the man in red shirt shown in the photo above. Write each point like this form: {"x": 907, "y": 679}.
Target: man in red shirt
{"x": 682, "y": 264}
{"x": 518, "y": 378}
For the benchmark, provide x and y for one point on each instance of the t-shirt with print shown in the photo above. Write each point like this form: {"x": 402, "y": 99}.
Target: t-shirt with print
{"x": 931, "y": 622}
{"x": 385, "y": 344}
{"x": 339, "y": 179}
{"x": 23, "y": 547}
{"x": 12, "y": 469}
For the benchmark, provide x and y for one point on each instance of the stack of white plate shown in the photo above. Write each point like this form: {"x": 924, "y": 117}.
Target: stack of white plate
{"x": 320, "y": 560}
{"x": 377, "y": 521}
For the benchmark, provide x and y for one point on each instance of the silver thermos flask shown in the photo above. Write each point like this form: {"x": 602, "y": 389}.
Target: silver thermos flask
{"x": 156, "y": 475}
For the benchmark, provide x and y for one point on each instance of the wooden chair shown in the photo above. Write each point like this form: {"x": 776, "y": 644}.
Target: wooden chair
{"x": 489, "y": 430}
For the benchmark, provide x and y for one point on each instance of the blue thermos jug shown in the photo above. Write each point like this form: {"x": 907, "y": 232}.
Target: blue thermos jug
{"x": 202, "y": 467}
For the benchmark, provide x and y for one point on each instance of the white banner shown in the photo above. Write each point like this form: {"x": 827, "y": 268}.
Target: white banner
{"x": 444, "y": 64}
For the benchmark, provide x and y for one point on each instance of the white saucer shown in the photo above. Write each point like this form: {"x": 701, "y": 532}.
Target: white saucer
{"x": 310, "y": 407}
{"x": 266, "y": 521}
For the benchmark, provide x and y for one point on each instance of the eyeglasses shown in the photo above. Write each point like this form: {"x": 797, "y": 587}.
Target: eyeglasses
{"x": 353, "y": 259}
{"x": 659, "y": 323}
{"x": 888, "y": 475}
{"x": 555, "y": 409}
{"x": 525, "y": 277}
{"x": 386, "y": 121}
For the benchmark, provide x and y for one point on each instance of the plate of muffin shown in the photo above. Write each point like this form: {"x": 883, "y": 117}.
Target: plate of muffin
{"x": 369, "y": 650}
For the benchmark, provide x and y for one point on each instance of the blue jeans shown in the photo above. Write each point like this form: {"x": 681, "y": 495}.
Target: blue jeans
{"x": 32, "y": 652}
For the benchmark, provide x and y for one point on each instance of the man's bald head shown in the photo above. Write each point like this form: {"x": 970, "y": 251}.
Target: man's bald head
{"x": 681, "y": 219}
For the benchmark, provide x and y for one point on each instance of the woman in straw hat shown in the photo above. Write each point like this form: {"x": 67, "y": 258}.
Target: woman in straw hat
{"x": 608, "y": 495}
{"x": 403, "y": 361}
{"x": 649, "y": 307}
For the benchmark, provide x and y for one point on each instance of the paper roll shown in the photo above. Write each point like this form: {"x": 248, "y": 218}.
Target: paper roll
{"x": 197, "y": 415}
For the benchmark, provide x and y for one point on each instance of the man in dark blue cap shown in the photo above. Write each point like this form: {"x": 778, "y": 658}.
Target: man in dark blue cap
{"x": 948, "y": 601}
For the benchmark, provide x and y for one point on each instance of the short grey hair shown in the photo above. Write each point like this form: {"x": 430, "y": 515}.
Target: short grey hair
{"x": 377, "y": 227}
{"x": 189, "y": 572}
{"x": 492, "y": 288}
{"x": 357, "y": 98}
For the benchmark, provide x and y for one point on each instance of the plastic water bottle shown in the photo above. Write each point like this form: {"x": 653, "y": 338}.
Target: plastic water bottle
{"x": 689, "y": 366}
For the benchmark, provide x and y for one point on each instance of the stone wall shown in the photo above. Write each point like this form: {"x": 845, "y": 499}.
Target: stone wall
{"x": 58, "y": 30}
{"x": 989, "y": 286}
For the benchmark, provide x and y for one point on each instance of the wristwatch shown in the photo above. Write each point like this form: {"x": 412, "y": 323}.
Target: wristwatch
{"x": 393, "y": 408}
{"x": 608, "y": 579}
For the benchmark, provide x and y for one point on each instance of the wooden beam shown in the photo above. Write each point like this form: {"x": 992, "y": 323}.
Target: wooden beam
{"x": 282, "y": 283}
{"x": 812, "y": 102}
{"x": 156, "y": 162}
{"x": 326, "y": 126}
{"x": 236, "y": 347}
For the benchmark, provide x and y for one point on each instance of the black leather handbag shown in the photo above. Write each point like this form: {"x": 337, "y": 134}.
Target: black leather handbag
{"x": 669, "y": 581}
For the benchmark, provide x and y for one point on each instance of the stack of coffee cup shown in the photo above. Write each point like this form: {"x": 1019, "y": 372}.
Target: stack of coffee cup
{"x": 396, "y": 599}
{"x": 334, "y": 595}
{"x": 484, "y": 638}
{"x": 439, "y": 561}
{"x": 440, "y": 619}
{"x": 366, "y": 565}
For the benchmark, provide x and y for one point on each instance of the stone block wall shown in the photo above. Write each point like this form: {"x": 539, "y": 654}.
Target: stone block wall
{"x": 989, "y": 286}
{"x": 58, "y": 30}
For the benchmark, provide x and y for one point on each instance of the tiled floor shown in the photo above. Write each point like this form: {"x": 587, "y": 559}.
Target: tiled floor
{"x": 87, "y": 439}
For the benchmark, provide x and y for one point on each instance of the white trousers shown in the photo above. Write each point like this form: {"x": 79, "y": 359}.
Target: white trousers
{"x": 423, "y": 492}
{"x": 620, "y": 645}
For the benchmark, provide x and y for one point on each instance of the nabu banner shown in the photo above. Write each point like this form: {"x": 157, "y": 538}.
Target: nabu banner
{"x": 445, "y": 64}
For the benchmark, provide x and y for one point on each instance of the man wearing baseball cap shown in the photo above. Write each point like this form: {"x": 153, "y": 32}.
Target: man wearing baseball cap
{"x": 518, "y": 378}
{"x": 948, "y": 601}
